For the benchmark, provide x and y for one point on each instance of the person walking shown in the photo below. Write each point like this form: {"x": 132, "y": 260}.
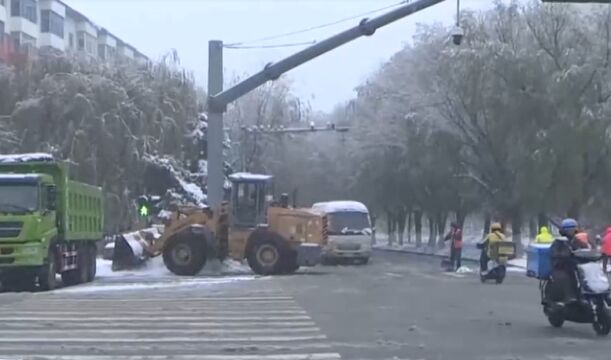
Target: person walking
{"x": 455, "y": 235}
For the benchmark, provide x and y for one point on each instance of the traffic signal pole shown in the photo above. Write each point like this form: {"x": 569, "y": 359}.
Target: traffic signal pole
{"x": 219, "y": 99}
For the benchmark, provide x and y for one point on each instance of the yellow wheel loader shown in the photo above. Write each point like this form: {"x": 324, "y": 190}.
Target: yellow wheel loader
{"x": 272, "y": 237}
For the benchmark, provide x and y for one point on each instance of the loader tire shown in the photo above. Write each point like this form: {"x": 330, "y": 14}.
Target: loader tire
{"x": 267, "y": 254}
{"x": 185, "y": 255}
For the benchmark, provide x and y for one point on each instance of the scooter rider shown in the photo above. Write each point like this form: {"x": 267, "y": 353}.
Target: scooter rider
{"x": 563, "y": 267}
{"x": 495, "y": 235}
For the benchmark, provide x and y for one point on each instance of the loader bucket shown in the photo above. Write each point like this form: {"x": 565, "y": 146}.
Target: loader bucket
{"x": 128, "y": 253}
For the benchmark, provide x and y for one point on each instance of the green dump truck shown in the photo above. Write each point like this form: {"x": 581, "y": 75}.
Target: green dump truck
{"x": 49, "y": 224}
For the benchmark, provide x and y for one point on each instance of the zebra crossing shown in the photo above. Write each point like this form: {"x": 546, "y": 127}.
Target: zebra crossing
{"x": 60, "y": 327}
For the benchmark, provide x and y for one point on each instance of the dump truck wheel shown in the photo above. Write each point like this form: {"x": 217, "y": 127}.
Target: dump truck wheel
{"x": 185, "y": 255}
{"x": 93, "y": 256}
{"x": 266, "y": 255}
{"x": 46, "y": 275}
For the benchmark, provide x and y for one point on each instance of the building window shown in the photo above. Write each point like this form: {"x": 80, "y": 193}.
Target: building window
{"x": 87, "y": 43}
{"x": 25, "y": 9}
{"x": 51, "y": 22}
{"x": 101, "y": 51}
{"x": 71, "y": 40}
{"x": 80, "y": 39}
{"x": 22, "y": 40}
{"x": 1, "y": 31}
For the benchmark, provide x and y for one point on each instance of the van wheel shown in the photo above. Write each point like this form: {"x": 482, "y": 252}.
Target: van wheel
{"x": 185, "y": 255}
{"x": 46, "y": 274}
{"x": 265, "y": 256}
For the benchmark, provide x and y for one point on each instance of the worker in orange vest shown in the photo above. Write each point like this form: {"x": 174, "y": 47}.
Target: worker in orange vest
{"x": 455, "y": 235}
{"x": 582, "y": 239}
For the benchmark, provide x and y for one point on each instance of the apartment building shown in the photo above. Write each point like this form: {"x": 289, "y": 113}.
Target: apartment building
{"x": 26, "y": 25}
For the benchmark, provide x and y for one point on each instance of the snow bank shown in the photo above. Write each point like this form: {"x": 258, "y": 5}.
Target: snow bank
{"x": 28, "y": 157}
{"x": 154, "y": 268}
{"x": 191, "y": 283}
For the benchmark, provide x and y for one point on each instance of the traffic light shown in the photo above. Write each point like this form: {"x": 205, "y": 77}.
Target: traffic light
{"x": 143, "y": 206}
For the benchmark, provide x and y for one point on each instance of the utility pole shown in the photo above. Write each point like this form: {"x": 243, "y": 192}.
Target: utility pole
{"x": 219, "y": 99}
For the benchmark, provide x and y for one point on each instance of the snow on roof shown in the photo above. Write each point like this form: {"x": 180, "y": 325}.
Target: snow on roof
{"x": 340, "y": 206}
{"x": 19, "y": 158}
{"x": 248, "y": 176}
{"x": 19, "y": 176}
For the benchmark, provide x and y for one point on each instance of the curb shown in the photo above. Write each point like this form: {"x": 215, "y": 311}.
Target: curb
{"x": 439, "y": 256}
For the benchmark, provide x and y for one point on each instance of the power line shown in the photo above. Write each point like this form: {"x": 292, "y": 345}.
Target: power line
{"x": 231, "y": 46}
{"x": 316, "y": 27}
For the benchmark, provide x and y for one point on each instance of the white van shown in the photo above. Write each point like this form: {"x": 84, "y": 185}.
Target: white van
{"x": 349, "y": 230}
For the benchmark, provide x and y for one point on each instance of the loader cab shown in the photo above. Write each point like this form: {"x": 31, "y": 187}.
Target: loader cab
{"x": 250, "y": 195}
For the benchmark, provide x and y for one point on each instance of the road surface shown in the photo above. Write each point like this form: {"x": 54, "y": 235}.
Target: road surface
{"x": 398, "y": 307}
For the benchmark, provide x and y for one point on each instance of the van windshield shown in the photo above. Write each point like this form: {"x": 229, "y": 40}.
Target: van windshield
{"x": 18, "y": 198}
{"x": 348, "y": 222}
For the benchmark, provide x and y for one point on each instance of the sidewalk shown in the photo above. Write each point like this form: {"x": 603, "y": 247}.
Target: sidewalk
{"x": 470, "y": 252}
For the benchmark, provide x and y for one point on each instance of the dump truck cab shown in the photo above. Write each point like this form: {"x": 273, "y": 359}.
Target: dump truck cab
{"x": 27, "y": 213}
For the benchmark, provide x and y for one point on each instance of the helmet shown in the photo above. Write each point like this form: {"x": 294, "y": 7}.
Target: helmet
{"x": 568, "y": 224}
{"x": 496, "y": 226}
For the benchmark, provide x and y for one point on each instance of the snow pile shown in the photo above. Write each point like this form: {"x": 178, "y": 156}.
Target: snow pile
{"x": 29, "y": 157}
{"x": 464, "y": 270}
{"x": 155, "y": 268}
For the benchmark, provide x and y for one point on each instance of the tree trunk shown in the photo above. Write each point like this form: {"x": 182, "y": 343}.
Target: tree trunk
{"x": 432, "y": 231}
{"x": 574, "y": 210}
{"x": 418, "y": 227}
{"x": 532, "y": 227}
{"x": 409, "y": 226}
{"x": 461, "y": 216}
{"x": 542, "y": 220}
{"x": 516, "y": 231}
{"x": 487, "y": 221}
{"x": 392, "y": 227}
{"x": 441, "y": 226}
{"x": 401, "y": 219}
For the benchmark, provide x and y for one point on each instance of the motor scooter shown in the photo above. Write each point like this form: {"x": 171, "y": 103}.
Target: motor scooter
{"x": 592, "y": 303}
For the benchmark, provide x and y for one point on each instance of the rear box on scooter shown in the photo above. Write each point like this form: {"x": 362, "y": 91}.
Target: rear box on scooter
{"x": 538, "y": 261}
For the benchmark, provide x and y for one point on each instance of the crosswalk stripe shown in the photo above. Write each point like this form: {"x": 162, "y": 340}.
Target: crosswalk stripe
{"x": 165, "y": 325}
{"x": 144, "y": 332}
{"x": 152, "y": 317}
{"x": 314, "y": 356}
{"x": 50, "y": 298}
{"x": 148, "y": 313}
{"x": 167, "y": 339}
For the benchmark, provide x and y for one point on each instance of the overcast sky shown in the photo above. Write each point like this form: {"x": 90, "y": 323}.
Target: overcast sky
{"x": 155, "y": 26}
